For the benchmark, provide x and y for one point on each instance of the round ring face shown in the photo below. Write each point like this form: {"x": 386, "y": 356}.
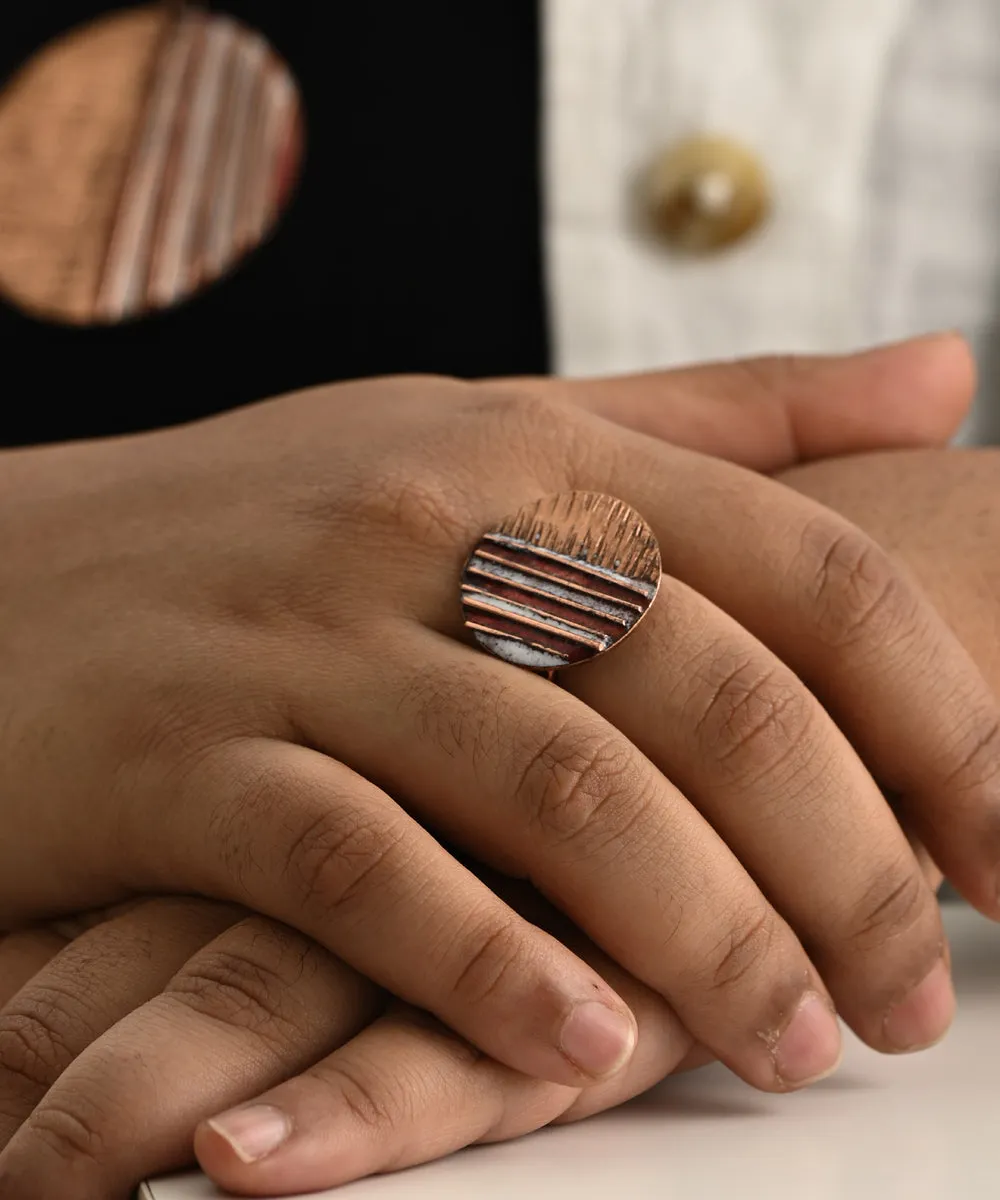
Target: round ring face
{"x": 561, "y": 580}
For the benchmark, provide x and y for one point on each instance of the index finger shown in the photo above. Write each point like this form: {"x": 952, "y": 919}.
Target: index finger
{"x": 769, "y": 413}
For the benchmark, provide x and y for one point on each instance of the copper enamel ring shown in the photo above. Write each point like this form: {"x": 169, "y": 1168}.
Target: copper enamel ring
{"x": 560, "y": 581}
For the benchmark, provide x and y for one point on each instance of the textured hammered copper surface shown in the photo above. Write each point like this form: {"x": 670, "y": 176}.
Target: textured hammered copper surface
{"x": 561, "y": 580}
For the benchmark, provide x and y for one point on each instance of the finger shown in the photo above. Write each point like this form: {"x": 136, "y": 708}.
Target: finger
{"x": 540, "y": 785}
{"x": 407, "y": 1090}
{"x": 773, "y": 412}
{"x": 90, "y": 984}
{"x": 750, "y": 746}
{"x": 25, "y": 952}
{"x": 256, "y": 1004}
{"x": 849, "y": 621}
{"x": 308, "y": 841}
{"x": 731, "y": 726}
{"x": 22, "y": 955}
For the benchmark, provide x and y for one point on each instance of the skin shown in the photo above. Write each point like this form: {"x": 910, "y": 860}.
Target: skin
{"x": 900, "y": 944}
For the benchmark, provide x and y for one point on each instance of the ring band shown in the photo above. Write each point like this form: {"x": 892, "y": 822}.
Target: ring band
{"x": 562, "y": 580}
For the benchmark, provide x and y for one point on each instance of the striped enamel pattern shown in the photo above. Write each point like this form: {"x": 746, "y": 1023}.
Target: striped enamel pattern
{"x": 562, "y": 580}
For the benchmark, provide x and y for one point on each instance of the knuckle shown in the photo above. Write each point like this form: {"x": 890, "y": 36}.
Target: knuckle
{"x": 378, "y": 1104}
{"x": 575, "y": 780}
{"x": 36, "y": 1041}
{"x": 895, "y": 905}
{"x": 232, "y": 988}
{"x": 543, "y": 432}
{"x": 256, "y": 786}
{"x": 856, "y": 591}
{"x": 528, "y": 410}
{"x": 422, "y": 506}
{"x": 754, "y": 716}
{"x": 744, "y": 950}
{"x": 488, "y": 957}
{"x": 74, "y": 1135}
{"x": 338, "y": 862}
{"x": 978, "y": 755}
{"x": 775, "y": 376}
{"x": 257, "y": 978}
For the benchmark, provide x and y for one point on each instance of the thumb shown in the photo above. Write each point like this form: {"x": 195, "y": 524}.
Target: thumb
{"x": 769, "y": 413}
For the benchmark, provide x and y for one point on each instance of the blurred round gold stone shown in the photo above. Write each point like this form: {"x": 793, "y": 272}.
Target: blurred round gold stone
{"x": 707, "y": 193}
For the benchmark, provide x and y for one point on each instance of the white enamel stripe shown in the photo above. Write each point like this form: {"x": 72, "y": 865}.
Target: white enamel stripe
{"x": 484, "y": 603}
{"x": 516, "y": 650}
{"x": 546, "y": 585}
{"x": 127, "y": 262}
{"x": 626, "y": 581}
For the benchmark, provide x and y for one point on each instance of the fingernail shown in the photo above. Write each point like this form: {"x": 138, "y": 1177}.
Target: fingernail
{"x": 253, "y": 1132}
{"x": 923, "y": 1016}
{"x": 810, "y": 1046}
{"x": 597, "y": 1039}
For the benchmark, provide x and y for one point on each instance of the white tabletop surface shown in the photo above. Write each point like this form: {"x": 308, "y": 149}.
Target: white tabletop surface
{"x": 922, "y": 1127}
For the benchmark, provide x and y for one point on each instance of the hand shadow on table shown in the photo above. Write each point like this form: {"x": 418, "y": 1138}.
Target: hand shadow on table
{"x": 710, "y": 1092}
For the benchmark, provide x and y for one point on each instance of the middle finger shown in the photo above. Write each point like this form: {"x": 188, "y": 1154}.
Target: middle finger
{"x": 477, "y": 742}
{"x": 536, "y": 783}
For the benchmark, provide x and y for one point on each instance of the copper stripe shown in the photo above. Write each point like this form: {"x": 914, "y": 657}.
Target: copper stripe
{"x": 571, "y": 652}
{"x": 604, "y": 574}
{"x": 547, "y": 604}
{"x": 537, "y": 573}
{"x": 501, "y": 572}
{"x": 567, "y": 631}
{"x": 556, "y": 566}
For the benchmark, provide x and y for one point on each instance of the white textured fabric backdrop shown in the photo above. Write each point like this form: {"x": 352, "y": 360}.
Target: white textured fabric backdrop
{"x": 879, "y": 122}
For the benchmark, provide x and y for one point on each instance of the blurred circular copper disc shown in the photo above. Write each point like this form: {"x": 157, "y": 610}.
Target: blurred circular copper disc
{"x": 141, "y": 157}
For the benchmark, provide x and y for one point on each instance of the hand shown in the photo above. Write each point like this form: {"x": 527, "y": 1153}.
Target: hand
{"x": 161, "y": 1013}
{"x": 938, "y": 512}
{"x": 102, "y": 977}
{"x": 156, "y": 964}
{"x": 218, "y": 637}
